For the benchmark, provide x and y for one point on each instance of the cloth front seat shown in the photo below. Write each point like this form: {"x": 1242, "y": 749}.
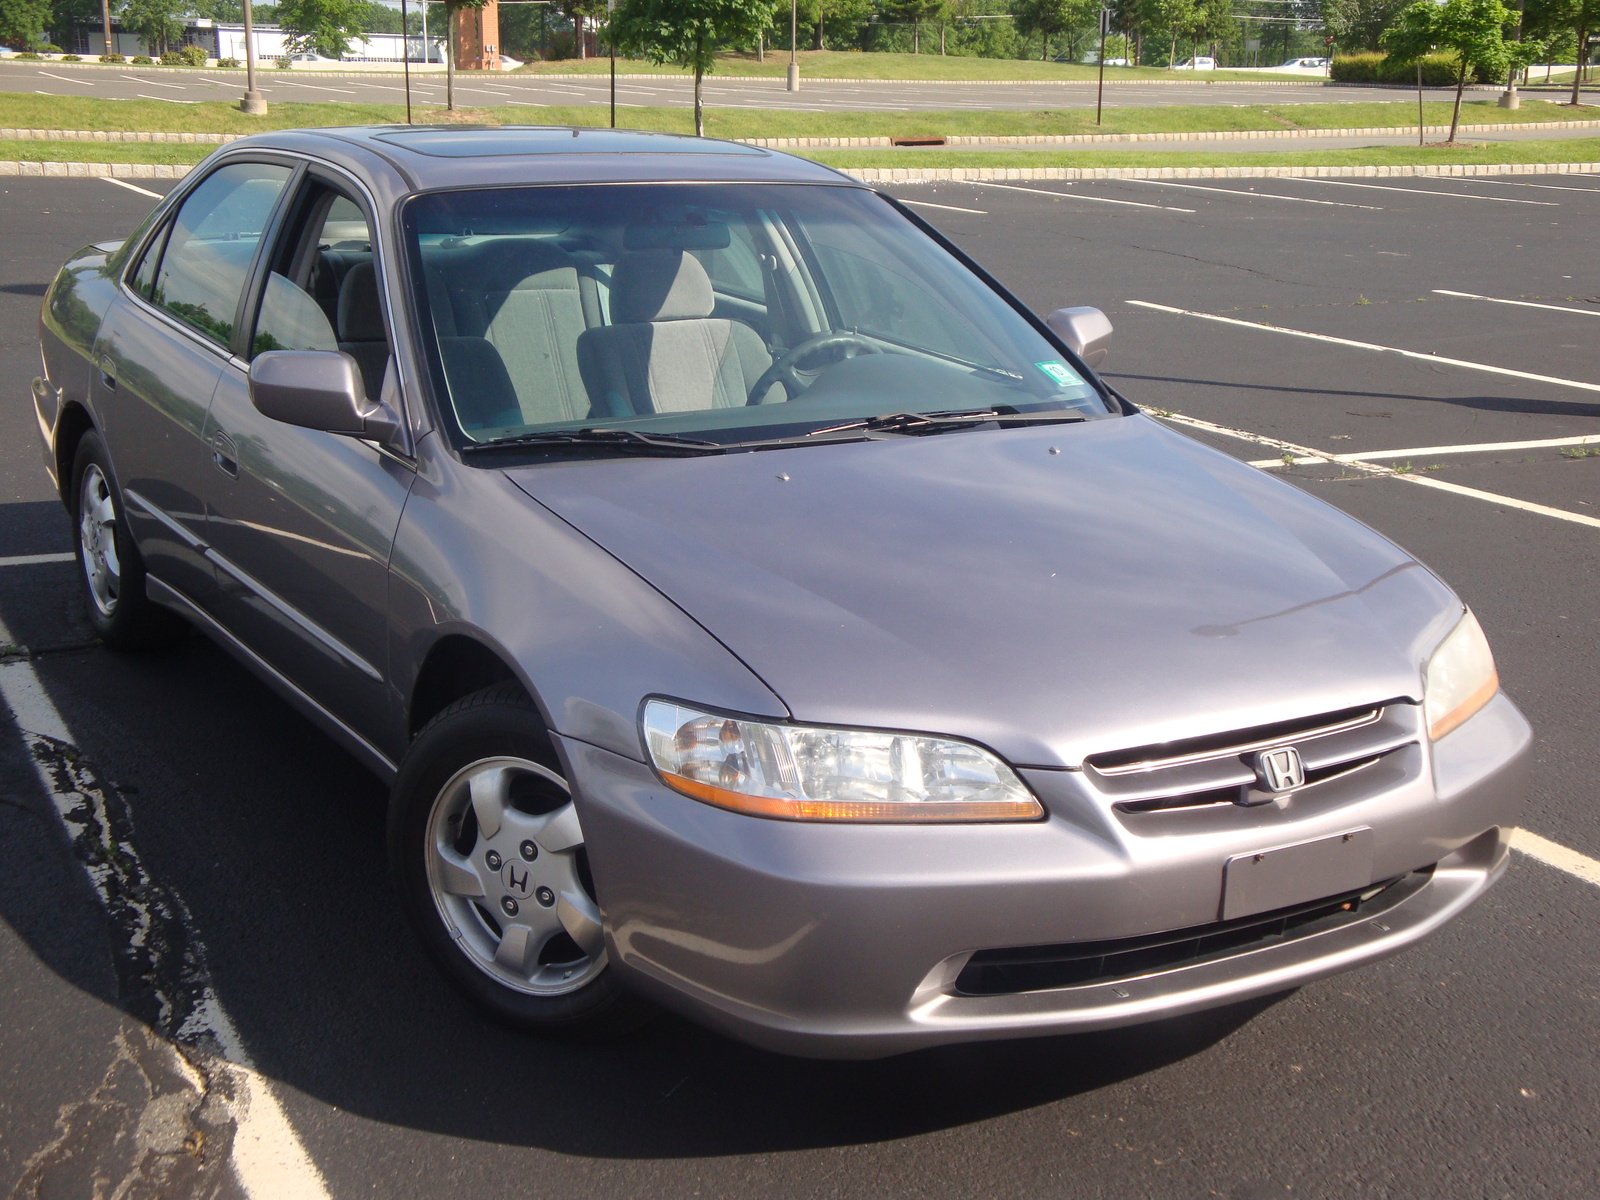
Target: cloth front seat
{"x": 361, "y": 332}
{"x": 665, "y": 352}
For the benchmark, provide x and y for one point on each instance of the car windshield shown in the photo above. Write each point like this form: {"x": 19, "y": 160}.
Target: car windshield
{"x": 718, "y": 312}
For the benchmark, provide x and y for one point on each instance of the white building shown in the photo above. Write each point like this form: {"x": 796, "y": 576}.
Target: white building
{"x": 271, "y": 45}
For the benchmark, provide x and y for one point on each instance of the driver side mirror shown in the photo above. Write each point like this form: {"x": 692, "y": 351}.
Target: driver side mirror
{"x": 1086, "y": 331}
{"x": 318, "y": 389}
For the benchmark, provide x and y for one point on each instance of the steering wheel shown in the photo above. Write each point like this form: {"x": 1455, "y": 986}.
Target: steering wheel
{"x": 787, "y": 369}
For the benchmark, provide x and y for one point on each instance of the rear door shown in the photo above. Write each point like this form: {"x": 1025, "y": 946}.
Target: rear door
{"x": 161, "y": 351}
{"x": 301, "y": 522}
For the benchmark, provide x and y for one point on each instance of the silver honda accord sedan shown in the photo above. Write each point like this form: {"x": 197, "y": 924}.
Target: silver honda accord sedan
{"x": 757, "y": 611}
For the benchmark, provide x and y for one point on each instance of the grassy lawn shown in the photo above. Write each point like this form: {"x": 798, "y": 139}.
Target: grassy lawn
{"x": 836, "y": 64}
{"x": 1582, "y": 150}
{"x": 21, "y": 111}
{"x": 100, "y": 152}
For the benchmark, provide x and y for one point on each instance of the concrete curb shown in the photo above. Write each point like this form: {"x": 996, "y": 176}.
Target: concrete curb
{"x": 1082, "y": 139}
{"x": 86, "y": 170}
{"x": 1027, "y": 174}
{"x": 869, "y": 143}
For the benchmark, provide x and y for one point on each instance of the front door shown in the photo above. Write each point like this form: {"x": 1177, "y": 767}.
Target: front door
{"x": 301, "y": 522}
{"x": 161, "y": 351}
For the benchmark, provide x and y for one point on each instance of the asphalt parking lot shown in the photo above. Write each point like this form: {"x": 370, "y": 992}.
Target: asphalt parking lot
{"x": 1421, "y": 353}
{"x": 180, "y": 86}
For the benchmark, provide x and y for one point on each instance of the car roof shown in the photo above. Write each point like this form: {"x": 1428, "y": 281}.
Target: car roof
{"x": 426, "y": 157}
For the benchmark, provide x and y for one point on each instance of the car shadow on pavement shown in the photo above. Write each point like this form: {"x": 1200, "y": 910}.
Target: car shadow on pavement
{"x": 271, "y": 840}
{"x": 1505, "y": 404}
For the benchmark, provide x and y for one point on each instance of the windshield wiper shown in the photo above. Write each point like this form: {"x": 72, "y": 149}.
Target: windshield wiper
{"x": 938, "y": 422}
{"x": 635, "y": 441}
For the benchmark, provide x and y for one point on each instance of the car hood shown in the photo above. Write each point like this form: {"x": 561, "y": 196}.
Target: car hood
{"x": 1051, "y": 592}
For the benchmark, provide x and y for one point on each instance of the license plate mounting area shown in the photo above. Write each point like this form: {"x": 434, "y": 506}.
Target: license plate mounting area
{"x": 1264, "y": 880}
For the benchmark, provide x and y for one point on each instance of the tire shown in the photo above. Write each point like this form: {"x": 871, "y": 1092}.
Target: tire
{"x": 109, "y": 566}
{"x": 487, "y": 855}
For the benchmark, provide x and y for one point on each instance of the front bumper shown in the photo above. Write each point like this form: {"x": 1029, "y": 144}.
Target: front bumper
{"x": 845, "y": 941}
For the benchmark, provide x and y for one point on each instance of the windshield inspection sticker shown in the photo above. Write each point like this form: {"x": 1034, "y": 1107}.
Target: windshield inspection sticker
{"x": 1060, "y": 372}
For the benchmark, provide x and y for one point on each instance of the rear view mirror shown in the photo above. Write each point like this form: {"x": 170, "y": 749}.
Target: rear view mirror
{"x": 318, "y": 389}
{"x": 1086, "y": 331}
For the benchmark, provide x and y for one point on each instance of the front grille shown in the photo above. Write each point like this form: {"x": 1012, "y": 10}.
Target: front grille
{"x": 1217, "y": 769}
{"x": 1080, "y": 964}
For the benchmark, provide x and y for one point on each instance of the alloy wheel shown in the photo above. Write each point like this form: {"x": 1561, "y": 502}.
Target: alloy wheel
{"x": 97, "y": 535}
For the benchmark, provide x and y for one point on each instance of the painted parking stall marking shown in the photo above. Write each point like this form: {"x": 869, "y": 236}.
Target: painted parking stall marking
{"x": 1201, "y": 187}
{"x": 1383, "y": 187}
{"x": 160, "y": 958}
{"x": 1582, "y": 312}
{"x": 1351, "y": 342}
{"x": 1011, "y": 187}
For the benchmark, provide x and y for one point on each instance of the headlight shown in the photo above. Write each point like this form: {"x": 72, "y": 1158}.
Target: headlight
{"x": 809, "y": 773}
{"x": 1459, "y": 679}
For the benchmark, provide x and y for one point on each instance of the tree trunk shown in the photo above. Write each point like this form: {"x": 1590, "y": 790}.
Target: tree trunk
{"x": 105, "y": 21}
{"x": 916, "y": 42}
{"x": 761, "y": 46}
{"x": 1577, "y": 64}
{"x": 818, "y": 42}
{"x": 941, "y": 37}
{"x": 1421, "y": 121}
{"x": 699, "y": 111}
{"x": 1461, "y": 86}
{"x": 450, "y": 59}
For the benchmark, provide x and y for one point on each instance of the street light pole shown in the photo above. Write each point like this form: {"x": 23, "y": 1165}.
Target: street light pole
{"x": 405, "y": 54}
{"x": 794, "y": 61}
{"x": 612, "y": 46}
{"x": 252, "y": 102}
{"x": 1100, "y": 91}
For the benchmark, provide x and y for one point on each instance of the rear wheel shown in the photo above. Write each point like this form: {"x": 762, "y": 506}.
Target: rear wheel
{"x": 488, "y": 854}
{"x": 108, "y": 561}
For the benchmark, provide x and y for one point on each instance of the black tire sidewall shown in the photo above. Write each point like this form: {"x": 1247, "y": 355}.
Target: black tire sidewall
{"x": 497, "y": 722}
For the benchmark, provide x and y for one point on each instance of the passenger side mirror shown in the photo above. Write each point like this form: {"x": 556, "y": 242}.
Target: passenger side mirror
{"x": 318, "y": 389}
{"x": 1087, "y": 331}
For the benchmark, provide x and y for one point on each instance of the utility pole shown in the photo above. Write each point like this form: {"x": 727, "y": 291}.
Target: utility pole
{"x": 252, "y": 102}
{"x": 1100, "y": 91}
{"x": 405, "y": 55}
{"x": 794, "y": 61}
{"x": 612, "y": 46}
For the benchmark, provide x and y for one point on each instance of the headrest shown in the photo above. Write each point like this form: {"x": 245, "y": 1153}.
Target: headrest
{"x": 360, "y": 315}
{"x": 659, "y": 285}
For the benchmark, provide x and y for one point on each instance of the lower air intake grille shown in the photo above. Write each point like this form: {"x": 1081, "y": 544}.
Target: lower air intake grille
{"x": 1078, "y": 964}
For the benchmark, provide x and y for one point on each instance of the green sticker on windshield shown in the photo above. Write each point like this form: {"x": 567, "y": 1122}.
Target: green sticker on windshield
{"x": 1060, "y": 372}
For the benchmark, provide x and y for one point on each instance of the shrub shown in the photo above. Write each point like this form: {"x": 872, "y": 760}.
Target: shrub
{"x": 49, "y": 48}
{"x": 283, "y": 64}
{"x": 72, "y": 58}
{"x": 1438, "y": 70}
{"x": 172, "y": 59}
{"x": 112, "y": 58}
{"x": 29, "y": 54}
{"x": 142, "y": 60}
{"x": 227, "y": 62}
{"x": 193, "y": 56}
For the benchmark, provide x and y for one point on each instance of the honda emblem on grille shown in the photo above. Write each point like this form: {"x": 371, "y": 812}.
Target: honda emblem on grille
{"x": 1280, "y": 770}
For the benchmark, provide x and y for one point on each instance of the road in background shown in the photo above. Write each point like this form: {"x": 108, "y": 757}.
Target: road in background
{"x": 1465, "y": 1067}
{"x": 816, "y": 95}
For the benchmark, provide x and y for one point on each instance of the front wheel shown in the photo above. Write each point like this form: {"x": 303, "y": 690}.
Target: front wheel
{"x": 487, "y": 851}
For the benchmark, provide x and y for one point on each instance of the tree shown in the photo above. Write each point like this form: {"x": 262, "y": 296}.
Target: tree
{"x": 1051, "y": 19}
{"x": 451, "y": 7}
{"x": 156, "y": 21}
{"x": 581, "y": 11}
{"x": 915, "y": 12}
{"x": 818, "y": 13}
{"x": 1474, "y": 29}
{"x": 22, "y": 22}
{"x": 686, "y": 32}
{"x": 325, "y": 26}
{"x": 1557, "y": 20}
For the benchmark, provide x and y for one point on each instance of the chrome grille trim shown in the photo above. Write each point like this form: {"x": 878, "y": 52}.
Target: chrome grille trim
{"x": 1370, "y": 717}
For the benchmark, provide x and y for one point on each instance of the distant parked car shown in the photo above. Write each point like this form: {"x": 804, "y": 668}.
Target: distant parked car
{"x": 1304, "y": 64}
{"x": 507, "y": 63}
{"x": 1196, "y": 64}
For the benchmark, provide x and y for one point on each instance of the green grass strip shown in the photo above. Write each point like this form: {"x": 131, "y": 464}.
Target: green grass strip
{"x": 19, "y": 111}
{"x": 100, "y": 152}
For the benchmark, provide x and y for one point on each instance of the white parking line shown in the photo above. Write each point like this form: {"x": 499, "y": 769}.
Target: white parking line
{"x": 1379, "y": 187}
{"x": 1010, "y": 187}
{"x": 1200, "y": 187}
{"x": 155, "y": 82}
{"x": 166, "y": 99}
{"x": 268, "y": 1158}
{"x": 64, "y": 79}
{"x": 1306, "y": 452}
{"x": 1339, "y": 341}
{"x": 1582, "y": 312}
{"x": 1554, "y": 854}
{"x": 34, "y": 560}
{"x": 947, "y": 207}
{"x": 1588, "y": 439}
{"x": 133, "y": 187}
{"x": 1550, "y": 187}
{"x": 317, "y": 88}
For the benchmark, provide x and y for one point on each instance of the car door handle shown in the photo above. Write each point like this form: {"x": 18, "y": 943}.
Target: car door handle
{"x": 107, "y": 378}
{"x": 224, "y": 454}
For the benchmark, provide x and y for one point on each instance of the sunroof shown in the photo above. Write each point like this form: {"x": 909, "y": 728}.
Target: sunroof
{"x": 494, "y": 141}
